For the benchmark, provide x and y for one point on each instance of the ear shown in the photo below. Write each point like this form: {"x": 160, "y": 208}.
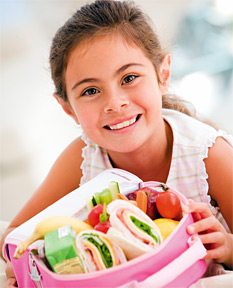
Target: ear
{"x": 165, "y": 73}
{"x": 66, "y": 107}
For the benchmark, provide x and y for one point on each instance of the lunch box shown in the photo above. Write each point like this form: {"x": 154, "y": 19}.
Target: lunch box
{"x": 177, "y": 262}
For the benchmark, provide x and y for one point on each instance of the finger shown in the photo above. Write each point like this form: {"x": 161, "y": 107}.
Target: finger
{"x": 210, "y": 223}
{"x": 199, "y": 207}
{"x": 9, "y": 271}
{"x": 11, "y": 283}
{"x": 216, "y": 254}
{"x": 196, "y": 217}
{"x": 212, "y": 238}
{"x": 187, "y": 209}
{"x": 198, "y": 210}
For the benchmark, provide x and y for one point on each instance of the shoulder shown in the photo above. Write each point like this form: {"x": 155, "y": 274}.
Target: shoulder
{"x": 66, "y": 173}
{"x": 184, "y": 121}
{"x": 188, "y": 130}
{"x": 71, "y": 157}
{"x": 220, "y": 176}
{"x": 220, "y": 159}
{"x": 75, "y": 147}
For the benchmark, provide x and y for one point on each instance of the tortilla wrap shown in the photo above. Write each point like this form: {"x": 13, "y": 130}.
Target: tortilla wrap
{"x": 132, "y": 229}
{"x": 97, "y": 251}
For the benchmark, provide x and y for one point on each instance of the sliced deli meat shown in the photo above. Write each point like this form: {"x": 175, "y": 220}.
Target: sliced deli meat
{"x": 97, "y": 251}
{"x": 132, "y": 229}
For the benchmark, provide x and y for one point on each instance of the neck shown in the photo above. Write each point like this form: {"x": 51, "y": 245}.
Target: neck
{"x": 150, "y": 162}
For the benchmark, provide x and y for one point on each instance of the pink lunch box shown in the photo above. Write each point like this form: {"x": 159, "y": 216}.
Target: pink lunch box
{"x": 177, "y": 262}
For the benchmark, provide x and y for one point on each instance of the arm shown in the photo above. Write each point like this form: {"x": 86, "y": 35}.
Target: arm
{"x": 219, "y": 168}
{"x": 63, "y": 178}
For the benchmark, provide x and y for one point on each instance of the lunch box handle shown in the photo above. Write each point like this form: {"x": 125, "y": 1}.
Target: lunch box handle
{"x": 34, "y": 272}
{"x": 170, "y": 272}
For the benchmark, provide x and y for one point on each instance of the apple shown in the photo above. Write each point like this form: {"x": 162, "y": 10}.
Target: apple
{"x": 151, "y": 211}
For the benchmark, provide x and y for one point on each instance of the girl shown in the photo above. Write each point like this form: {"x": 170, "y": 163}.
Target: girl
{"x": 112, "y": 77}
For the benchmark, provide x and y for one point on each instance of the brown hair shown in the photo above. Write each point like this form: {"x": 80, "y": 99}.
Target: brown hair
{"x": 103, "y": 17}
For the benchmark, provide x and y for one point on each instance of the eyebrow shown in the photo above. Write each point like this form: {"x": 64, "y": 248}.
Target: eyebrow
{"x": 120, "y": 70}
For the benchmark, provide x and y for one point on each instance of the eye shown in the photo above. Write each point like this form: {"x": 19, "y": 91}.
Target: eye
{"x": 129, "y": 78}
{"x": 90, "y": 91}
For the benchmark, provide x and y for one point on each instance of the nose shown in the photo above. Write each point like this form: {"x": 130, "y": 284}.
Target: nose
{"x": 115, "y": 102}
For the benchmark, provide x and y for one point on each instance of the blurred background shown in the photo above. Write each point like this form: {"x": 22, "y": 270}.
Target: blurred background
{"x": 33, "y": 128}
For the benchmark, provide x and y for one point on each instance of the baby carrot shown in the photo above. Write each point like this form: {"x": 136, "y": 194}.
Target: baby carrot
{"x": 141, "y": 200}
{"x": 122, "y": 197}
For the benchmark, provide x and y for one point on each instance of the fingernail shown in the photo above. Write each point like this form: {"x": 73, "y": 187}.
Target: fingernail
{"x": 194, "y": 237}
{"x": 186, "y": 208}
{"x": 191, "y": 229}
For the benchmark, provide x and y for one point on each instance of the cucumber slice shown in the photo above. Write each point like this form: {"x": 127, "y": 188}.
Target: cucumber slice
{"x": 114, "y": 188}
{"x": 89, "y": 203}
{"x": 97, "y": 197}
{"x": 105, "y": 196}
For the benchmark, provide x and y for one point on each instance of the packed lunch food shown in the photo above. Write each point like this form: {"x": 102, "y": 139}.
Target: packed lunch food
{"x": 118, "y": 228}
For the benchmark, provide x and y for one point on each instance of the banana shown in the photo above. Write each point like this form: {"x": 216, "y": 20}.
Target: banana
{"x": 49, "y": 224}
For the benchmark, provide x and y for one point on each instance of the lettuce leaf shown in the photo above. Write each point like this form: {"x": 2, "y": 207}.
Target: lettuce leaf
{"x": 103, "y": 250}
{"x": 145, "y": 228}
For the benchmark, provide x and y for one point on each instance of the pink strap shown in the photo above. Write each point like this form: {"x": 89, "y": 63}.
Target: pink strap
{"x": 163, "y": 277}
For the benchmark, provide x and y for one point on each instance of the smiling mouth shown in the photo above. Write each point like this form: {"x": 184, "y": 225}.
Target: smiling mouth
{"x": 123, "y": 124}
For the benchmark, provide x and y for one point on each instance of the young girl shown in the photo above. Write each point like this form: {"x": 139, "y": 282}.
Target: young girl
{"x": 112, "y": 77}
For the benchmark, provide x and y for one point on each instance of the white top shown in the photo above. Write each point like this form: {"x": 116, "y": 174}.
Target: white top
{"x": 191, "y": 141}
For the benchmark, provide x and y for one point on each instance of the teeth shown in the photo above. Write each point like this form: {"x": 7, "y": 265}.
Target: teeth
{"x": 123, "y": 124}
{"x": 132, "y": 121}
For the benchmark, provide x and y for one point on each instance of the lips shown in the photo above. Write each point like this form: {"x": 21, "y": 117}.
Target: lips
{"x": 123, "y": 124}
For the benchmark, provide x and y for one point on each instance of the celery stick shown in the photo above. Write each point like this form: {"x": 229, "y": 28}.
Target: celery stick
{"x": 114, "y": 188}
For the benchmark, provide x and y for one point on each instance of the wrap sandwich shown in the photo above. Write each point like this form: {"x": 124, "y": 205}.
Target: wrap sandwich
{"x": 132, "y": 229}
{"x": 97, "y": 251}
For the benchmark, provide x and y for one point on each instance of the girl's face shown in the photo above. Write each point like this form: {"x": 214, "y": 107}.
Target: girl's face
{"x": 114, "y": 94}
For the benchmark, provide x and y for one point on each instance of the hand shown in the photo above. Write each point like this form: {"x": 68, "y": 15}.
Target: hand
{"x": 11, "y": 283}
{"x": 218, "y": 242}
{"x": 11, "y": 280}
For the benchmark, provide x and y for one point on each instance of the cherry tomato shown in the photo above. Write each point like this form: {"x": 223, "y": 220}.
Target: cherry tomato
{"x": 103, "y": 227}
{"x": 94, "y": 214}
{"x": 168, "y": 205}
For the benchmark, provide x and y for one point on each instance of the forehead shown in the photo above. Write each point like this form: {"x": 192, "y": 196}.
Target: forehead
{"x": 109, "y": 39}
{"x": 104, "y": 50}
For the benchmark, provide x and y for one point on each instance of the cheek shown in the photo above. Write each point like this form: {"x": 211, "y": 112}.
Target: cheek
{"x": 150, "y": 96}
{"x": 87, "y": 116}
